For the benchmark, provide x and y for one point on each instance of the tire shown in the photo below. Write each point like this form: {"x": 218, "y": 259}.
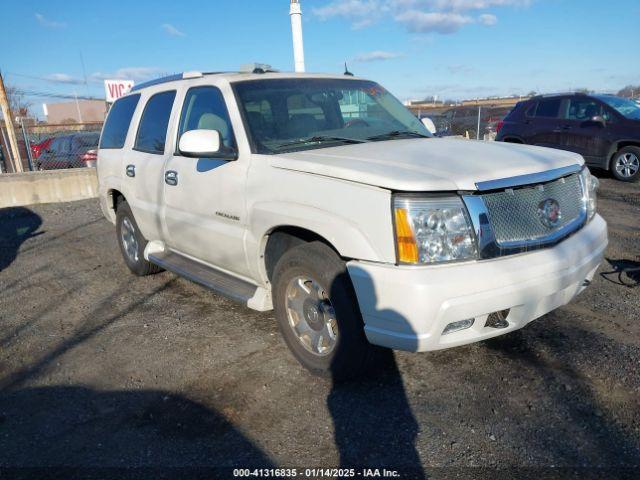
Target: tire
{"x": 132, "y": 251}
{"x": 348, "y": 354}
{"x": 625, "y": 164}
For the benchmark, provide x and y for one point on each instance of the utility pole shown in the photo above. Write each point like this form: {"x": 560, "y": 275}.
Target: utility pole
{"x": 78, "y": 107}
{"x": 295, "y": 12}
{"x": 8, "y": 121}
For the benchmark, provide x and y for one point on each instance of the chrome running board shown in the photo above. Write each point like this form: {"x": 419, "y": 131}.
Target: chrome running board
{"x": 216, "y": 280}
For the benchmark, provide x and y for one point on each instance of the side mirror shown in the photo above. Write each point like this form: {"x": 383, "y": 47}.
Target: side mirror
{"x": 429, "y": 125}
{"x": 599, "y": 120}
{"x": 200, "y": 143}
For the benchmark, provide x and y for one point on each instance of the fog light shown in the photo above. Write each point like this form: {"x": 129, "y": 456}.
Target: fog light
{"x": 498, "y": 319}
{"x": 457, "y": 326}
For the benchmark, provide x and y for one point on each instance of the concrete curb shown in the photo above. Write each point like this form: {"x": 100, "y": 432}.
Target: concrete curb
{"x": 52, "y": 186}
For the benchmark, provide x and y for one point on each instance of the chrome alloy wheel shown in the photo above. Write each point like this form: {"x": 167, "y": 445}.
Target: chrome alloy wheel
{"x": 311, "y": 316}
{"x": 129, "y": 241}
{"x": 627, "y": 164}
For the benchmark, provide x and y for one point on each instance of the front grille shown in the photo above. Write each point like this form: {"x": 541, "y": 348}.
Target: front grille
{"x": 514, "y": 213}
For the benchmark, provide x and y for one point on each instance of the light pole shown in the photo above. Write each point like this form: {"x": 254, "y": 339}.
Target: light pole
{"x": 295, "y": 12}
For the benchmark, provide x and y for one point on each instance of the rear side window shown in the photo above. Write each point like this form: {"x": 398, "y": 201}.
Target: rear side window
{"x": 117, "y": 125}
{"x": 548, "y": 108}
{"x": 152, "y": 131}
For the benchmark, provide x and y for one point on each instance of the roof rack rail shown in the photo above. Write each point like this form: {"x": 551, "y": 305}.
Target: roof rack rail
{"x": 169, "y": 78}
{"x": 558, "y": 94}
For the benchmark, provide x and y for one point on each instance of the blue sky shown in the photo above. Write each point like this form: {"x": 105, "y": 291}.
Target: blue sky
{"x": 416, "y": 48}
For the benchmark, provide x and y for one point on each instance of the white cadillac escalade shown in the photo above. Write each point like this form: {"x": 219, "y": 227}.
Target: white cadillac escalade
{"x": 324, "y": 198}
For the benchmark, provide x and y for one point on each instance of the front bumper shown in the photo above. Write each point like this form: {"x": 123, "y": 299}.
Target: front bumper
{"x": 407, "y": 308}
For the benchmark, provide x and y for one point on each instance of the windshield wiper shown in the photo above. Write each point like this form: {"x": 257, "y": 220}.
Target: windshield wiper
{"x": 319, "y": 139}
{"x": 398, "y": 134}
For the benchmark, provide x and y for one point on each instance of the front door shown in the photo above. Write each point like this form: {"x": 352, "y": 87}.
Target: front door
{"x": 580, "y": 133}
{"x": 205, "y": 214}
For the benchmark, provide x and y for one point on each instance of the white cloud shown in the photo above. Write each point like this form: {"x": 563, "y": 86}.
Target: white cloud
{"x": 347, "y": 8}
{"x": 173, "y": 31}
{"x": 488, "y": 19}
{"x": 376, "y": 56}
{"x": 46, "y": 22}
{"x": 439, "y": 22}
{"x": 422, "y": 16}
{"x": 63, "y": 78}
{"x": 463, "y": 5}
{"x": 138, "y": 74}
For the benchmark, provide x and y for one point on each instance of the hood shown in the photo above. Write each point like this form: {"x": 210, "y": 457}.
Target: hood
{"x": 430, "y": 164}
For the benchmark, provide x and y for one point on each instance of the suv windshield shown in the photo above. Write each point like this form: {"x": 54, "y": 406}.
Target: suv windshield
{"x": 624, "y": 106}
{"x": 284, "y": 115}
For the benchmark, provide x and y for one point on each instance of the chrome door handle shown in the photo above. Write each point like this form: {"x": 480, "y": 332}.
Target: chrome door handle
{"x": 171, "y": 178}
{"x": 131, "y": 170}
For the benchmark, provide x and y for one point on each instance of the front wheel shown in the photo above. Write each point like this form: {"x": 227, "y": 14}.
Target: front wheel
{"x": 318, "y": 314}
{"x": 625, "y": 165}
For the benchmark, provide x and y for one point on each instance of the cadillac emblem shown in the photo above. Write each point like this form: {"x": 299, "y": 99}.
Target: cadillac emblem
{"x": 549, "y": 213}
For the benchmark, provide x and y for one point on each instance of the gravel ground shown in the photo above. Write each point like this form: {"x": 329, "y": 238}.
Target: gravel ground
{"x": 99, "y": 368}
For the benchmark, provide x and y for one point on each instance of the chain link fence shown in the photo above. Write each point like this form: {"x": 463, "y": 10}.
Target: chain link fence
{"x": 52, "y": 147}
{"x": 474, "y": 122}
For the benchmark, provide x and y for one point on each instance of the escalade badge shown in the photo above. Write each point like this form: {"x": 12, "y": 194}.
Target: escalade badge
{"x": 549, "y": 213}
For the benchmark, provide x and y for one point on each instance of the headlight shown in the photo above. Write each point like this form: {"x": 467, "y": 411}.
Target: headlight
{"x": 432, "y": 230}
{"x": 590, "y": 186}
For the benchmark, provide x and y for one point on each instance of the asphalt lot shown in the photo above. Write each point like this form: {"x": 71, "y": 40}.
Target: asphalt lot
{"x": 100, "y": 368}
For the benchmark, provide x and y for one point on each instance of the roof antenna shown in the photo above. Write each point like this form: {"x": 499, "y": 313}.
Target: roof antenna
{"x": 346, "y": 70}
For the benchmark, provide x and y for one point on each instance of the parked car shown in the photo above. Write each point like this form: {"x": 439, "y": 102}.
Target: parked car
{"x": 358, "y": 229}
{"x": 70, "y": 151}
{"x": 604, "y": 129}
{"x": 38, "y": 148}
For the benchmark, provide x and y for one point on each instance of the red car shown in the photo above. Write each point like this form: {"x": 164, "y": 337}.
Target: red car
{"x": 38, "y": 148}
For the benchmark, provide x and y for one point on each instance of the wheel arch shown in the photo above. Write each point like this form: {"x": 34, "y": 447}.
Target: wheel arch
{"x": 109, "y": 202}
{"x": 619, "y": 145}
{"x": 282, "y": 238}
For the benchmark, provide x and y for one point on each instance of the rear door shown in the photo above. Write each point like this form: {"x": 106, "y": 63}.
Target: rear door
{"x": 144, "y": 163}
{"x": 544, "y": 123}
{"x": 580, "y": 133}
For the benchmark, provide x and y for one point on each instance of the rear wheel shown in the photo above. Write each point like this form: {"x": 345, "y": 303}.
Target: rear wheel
{"x": 625, "y": 165}
{"x": 132, "y": 243}
{"x": 317, "y": 312}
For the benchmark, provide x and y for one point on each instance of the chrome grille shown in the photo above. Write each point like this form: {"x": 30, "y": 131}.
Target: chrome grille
{"x": 514, "y": 213}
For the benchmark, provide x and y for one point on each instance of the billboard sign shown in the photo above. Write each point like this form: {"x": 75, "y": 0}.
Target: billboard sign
{"x": 114, "y": 89}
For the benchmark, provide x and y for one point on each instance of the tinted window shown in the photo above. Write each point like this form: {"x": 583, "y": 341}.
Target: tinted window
{"x": 60, "y": 144}
{"x": 152, "y": 132}
{"x": 548, "y": 108}
{"x": 204, "y": 109}
{"x": 85, "y": 141}
{"x": 582, "y": 109}
{"x": 117, "y": 124}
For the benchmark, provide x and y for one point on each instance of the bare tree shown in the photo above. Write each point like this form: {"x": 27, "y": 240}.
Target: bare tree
{"x": 630, "y": 91}
{"x": 17, "y": 102}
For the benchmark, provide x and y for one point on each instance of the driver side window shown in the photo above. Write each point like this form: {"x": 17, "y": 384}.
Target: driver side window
{"x": 204, "y": 109}
{"x": 582, "y": 109}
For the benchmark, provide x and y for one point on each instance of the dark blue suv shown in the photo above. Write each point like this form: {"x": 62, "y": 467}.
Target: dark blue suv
{"x": 604, "y": 129}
